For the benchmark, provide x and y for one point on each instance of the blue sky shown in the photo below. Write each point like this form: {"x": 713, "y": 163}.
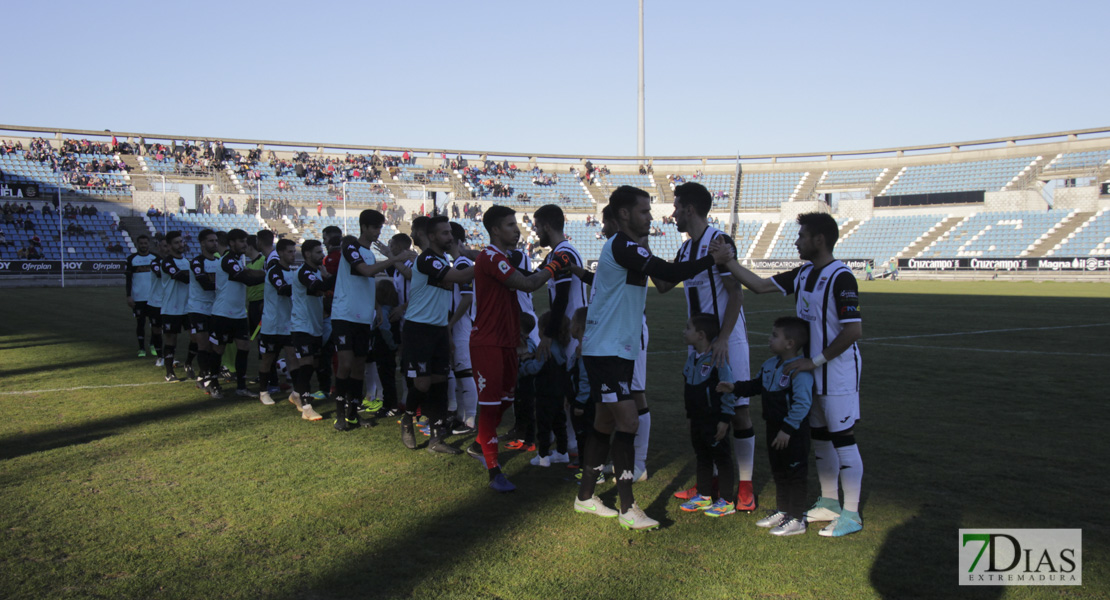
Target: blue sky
{"x": 560, "y": 77}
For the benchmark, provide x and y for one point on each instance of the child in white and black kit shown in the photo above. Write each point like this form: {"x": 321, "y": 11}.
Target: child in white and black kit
{"x": 787, "y": 398}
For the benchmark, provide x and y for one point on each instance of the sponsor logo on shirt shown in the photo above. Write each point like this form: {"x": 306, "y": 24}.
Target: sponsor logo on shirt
{"x": 503, "y": 267}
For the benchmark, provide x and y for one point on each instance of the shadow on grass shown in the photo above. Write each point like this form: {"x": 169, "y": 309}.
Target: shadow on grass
{"x": 34, "y": 342}
{"x": 22, "y": 445}
{"x": 41, "y": 369}
{"x": 921, "y": 555}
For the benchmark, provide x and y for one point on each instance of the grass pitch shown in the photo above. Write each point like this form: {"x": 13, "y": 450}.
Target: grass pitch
{"x": 982, "y": 407}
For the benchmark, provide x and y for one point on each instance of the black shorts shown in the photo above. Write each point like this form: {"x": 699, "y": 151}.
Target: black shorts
{"x": 610, "y": 378}
{"x": 140, "y": 310}
{"x": 351, "y": 337}
{"x": 273, "y": 343}
{"x": 199, "y": 323}
{"x": 174, "y": 324}
{"x": 254, "y": 313}
{"x": 225, "y": 330}
{"x": 306, "y": 345}
{"x": 154, "y": 313}
{"x": 425, "y": 349}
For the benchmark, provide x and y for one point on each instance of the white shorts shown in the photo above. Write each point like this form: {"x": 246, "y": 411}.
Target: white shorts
{"x": 836, "y": 412}
{"x": 739, "y": 363}
{"x": 460, "y": 361}
{"x": 639, "y": 371}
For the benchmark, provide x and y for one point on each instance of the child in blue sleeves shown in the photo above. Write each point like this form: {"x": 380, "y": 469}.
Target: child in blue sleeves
{"x": 786, "y": 403}
{"x": 710, "y": 413}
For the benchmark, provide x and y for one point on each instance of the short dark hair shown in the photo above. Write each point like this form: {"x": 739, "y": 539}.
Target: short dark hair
{"x": 795, "y": 329}
{"x": 626, "y": 196}
{"x": 403, "y": 239}
{"x": 370, "y": 218}
{"x": 385, "y": 294}
{"x": 607, "y": 213}
{"x": 283, "y": 244}
{"x": 171, "y": 236}
{"x": 309, "y": 246}
{"x": 495, "y": 215}
{"x": 550, "y": 215}
{"x": 204, "y": 233}
{"x": 236, "y": 234}
{"x": 707, "y": 324}
{"x": 265, "y": 237}
{"x": 458, "y": 232}
{"x": 419, "y": 223}
{"x": 331, "y": 230}
{"x": 252, "y": 241}
{"x": 221, "y": 237}
{"x": 527, "y": 322}
{"x": 819, "y": 223}
{"x": 143, "y": 236}
{"x": 436, "y": 220}
{"x": 694, "y": 194}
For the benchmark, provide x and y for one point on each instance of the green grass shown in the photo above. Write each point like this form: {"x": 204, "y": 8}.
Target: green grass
{"x": 157, "y": 491}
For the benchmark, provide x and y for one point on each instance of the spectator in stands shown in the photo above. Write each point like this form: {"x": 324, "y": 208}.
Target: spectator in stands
{"x": 231, "y": 206}
{"x": 4, "y": 239}
{"x": 114, "y": 248}
{"x": 28, "y": 225}
{"x": 75, "y": 229}
{"x": 153, "y": 212}
{"x": 222, "y": 205}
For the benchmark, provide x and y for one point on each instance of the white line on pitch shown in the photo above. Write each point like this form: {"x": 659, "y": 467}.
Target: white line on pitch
{"x": 955, "y": 333}
{"x": 83, "y": 387}
{"x": 959, "y": 349}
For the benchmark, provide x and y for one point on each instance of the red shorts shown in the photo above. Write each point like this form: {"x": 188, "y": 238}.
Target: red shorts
{"x": 495, "y": 371}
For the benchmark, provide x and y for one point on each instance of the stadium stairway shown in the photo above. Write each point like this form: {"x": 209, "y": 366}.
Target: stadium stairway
{"x": 1063, "y": 229}
{"x": 761, "y": 247}
{"x": 279, "y": 228}
{"x": 596, "y": 192}
{"x": 884, "y": 181}
{"x": 927, "y": 240}
{"x": 664, "y": 187}
{"x": 134, "y": 226}
{"x": 847, "y": 229}
{"x": 809, "y": 188}
{"x": 142, "y": 184}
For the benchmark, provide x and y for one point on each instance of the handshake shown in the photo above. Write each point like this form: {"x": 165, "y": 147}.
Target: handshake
{"x": 557, "y": 263}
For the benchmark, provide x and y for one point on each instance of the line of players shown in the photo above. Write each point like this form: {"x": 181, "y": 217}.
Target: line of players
{"x": 459, "y": 315}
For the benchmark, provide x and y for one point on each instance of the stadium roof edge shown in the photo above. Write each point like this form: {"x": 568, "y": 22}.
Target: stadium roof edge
{"x": 1071, "y": 134}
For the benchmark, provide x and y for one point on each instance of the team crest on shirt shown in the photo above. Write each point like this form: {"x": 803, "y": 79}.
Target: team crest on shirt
{"x": 437, "y": 264}
{"x": 643, "y": 252}
{"x": 784, "y": 380}
{"x": 342, "y": 339}
{"x": 705, "y": 369}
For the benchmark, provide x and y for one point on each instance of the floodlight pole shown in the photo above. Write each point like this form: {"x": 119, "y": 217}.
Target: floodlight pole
{"x": 165, "y": 227}
{"x": 345, "y": 230}
{"x": 640, "y": 130}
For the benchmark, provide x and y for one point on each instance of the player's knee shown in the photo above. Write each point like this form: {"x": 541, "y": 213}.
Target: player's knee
{"x": 742, "y": 419}
{"x": 820, "y": 434}
{"x": 843, "y": 439}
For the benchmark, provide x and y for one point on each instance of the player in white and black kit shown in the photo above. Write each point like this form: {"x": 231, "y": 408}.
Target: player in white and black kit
{"x": 827, "y": 297}
{"x": 459, "y": 324}
{"x": 716, "y": 292}
{"x": 566, "y": 294}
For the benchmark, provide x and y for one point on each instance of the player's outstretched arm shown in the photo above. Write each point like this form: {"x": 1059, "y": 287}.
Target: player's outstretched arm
{"x": 518, "y": 281}
{"x": 851, "y": 334}
{"x": 750, "y": 280}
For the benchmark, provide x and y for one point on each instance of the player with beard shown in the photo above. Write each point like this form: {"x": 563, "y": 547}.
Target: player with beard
{"x": 496, "y": 332}
{"x": 566, "y": 294}
{"x": 716, "y": 292}
{"x": 611, "y": 343}
{"x": 352, "y": 312}
{"x": 229, "y": 310}
{"x": 139, "y": 279}
{"x": 202, "y": 292}
{"x": 827, "y": 297}
{"x": 277, "y": 309}
{"x": 309, "y": 285}
{"x": 426, "y": 340}
{"x": 175, "y": 298}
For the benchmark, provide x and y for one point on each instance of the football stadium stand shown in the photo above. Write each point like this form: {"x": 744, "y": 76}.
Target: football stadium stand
{"x": 1029, "y": 196}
